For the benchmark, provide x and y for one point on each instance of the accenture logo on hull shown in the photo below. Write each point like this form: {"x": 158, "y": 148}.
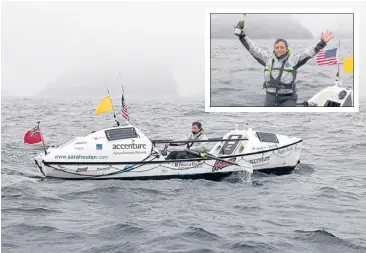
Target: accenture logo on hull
{"x": 129, "y": 146}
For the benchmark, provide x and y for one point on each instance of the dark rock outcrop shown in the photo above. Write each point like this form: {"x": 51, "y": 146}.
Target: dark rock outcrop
{"x": 156, "y": 83}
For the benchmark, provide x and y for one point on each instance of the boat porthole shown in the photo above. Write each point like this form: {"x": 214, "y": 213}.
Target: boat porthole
{"x": 342, "y": 94}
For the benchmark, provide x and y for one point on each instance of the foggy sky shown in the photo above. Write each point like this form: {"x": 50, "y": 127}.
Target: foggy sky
{"x": 43, "y": 41}
{"x": 318, "y": 23}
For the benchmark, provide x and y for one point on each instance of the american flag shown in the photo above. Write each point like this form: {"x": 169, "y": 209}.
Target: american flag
{"x": 124, "y": 109}
{"x": 327, "y": 57}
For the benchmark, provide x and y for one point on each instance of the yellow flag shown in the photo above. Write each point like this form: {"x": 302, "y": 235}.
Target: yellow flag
{"x": 348, "y": 64}
{"x": 105, "y": 105}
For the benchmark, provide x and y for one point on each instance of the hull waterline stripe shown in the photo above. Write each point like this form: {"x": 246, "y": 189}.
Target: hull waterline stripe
{"x": 209, "y": 176}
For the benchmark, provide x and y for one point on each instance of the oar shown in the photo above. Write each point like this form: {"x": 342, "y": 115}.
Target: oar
{"x": 250, "y": 169}
{"x": 212, "y": 157}
{"x": 188, "y": 141}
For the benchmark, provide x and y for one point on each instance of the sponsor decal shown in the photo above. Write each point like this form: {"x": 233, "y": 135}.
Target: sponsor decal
{"x": 82, "y": 169}
{"x": 105, "y": 168}
{"x": 80, "y": 142}
{"x": 219, "y": 165}
{"x": 97, "y": 138}
{"x": 84, "y": 157}
{"x": 129, "y": 152}
{"x": 99, "y": 146}
{"x": 129, "y": 146}
{"x": 127, "y": 168}
{"x": 286, "y": 151}
{"x": 261, "y": 160}
{"x": 79, "y": 148}
{"x": 187, "y": 165}
{"x": 266, "y": 147}
{"x": 297, "y": 147}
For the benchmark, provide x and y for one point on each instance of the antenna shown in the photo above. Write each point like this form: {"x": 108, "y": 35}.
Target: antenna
{"x": 119, "y": 73}
{"x": 124, "y": 110}
{"x": 337, "y": 80}
{"x": 114, "y": 113}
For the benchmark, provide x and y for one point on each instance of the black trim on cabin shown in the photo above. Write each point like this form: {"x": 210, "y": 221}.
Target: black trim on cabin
{"x": 267, "y": 137}
{"x": 121, "y": 133}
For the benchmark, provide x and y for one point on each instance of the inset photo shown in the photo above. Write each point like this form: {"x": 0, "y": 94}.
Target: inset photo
{"x": 281, "y": 62}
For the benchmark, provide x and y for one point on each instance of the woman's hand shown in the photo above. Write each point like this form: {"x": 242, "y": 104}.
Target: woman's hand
{"x": 326, "y": 36}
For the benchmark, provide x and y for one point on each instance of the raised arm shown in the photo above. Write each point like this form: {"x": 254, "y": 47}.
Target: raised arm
{"x": 305, "y": 55}
{"x": 260, "y": 54}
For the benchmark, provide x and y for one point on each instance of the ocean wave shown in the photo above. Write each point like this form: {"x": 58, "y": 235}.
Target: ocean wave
{"x": 198, "y": 232}
{"x": 186, "y": 215}
{"x": 30, "y": 211}
{"x": 328, "y": 240}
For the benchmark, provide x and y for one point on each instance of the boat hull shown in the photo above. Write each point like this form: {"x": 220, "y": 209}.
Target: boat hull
{"x": 278, "y": 161}
{"x": 195, "y": 168}
{"x": 333, "y": 96}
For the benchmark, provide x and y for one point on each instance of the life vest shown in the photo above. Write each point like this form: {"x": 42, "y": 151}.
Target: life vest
{"x": 202, "y": 131}
{"x": 276, "y": 82}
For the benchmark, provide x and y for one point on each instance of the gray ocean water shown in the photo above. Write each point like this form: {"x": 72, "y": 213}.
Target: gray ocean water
{"x": 237, "y": 78}
{"x": 320, "y": 207}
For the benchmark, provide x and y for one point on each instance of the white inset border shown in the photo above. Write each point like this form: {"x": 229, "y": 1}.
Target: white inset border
{"x": 356, "y": 55}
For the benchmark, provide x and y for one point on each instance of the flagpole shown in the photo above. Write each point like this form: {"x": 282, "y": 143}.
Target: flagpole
{"x": 114, "y": 113}
{"x": 123, "y": 91}
{"x": 43, "y": 144}
{"x": 127, "y": 119}
{"x": 337, "y": 80}
{"x": 338, "y": 50}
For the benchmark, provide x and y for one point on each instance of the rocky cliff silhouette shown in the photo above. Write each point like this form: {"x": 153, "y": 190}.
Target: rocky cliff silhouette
{"x": 154, "y": 83}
